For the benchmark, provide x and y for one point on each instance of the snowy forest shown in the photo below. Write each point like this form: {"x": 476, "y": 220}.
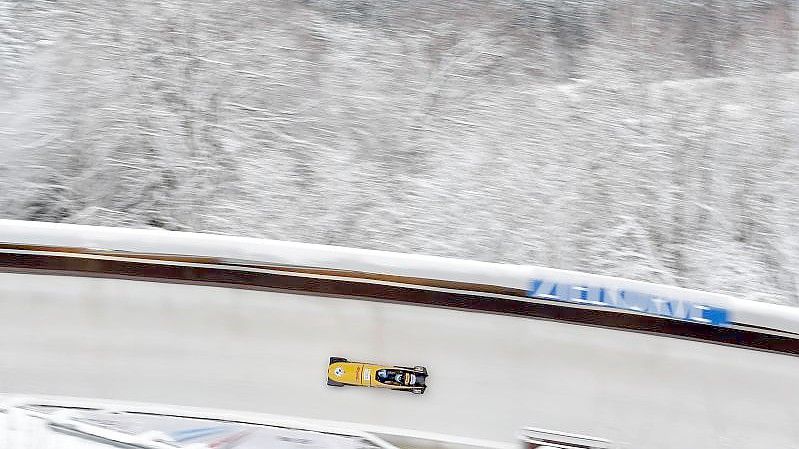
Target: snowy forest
{"x": 654, "y": 140}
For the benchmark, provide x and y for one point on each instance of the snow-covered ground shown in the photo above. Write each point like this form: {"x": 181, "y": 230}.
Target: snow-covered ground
{"x": 651, "y": 140}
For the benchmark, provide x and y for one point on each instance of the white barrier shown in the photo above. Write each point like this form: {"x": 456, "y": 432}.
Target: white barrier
{"x": 77, "y": 423}
{"x": 71, "y": 423}
{"x": 535, "y": 438}
{"x": 652, "y": 298}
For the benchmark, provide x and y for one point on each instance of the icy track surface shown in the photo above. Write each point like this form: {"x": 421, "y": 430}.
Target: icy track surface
{"x": 489, "y": 375}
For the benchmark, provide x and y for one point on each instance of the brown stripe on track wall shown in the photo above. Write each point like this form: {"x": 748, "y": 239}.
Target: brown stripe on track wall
{"x": 454, "y": 285}
{"x": 149, "y": 270}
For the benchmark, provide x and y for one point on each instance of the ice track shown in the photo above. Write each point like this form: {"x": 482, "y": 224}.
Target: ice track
{"x": 490, "y": 375}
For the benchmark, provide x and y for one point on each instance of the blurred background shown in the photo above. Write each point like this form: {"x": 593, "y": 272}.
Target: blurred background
{"x": 654, "y": 140}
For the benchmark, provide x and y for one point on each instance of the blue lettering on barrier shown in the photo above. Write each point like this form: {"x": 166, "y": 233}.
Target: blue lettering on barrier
{"x": 630, "y": 300}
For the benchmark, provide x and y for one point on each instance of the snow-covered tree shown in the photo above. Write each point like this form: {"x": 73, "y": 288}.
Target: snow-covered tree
{"x": 654, "y": 140}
